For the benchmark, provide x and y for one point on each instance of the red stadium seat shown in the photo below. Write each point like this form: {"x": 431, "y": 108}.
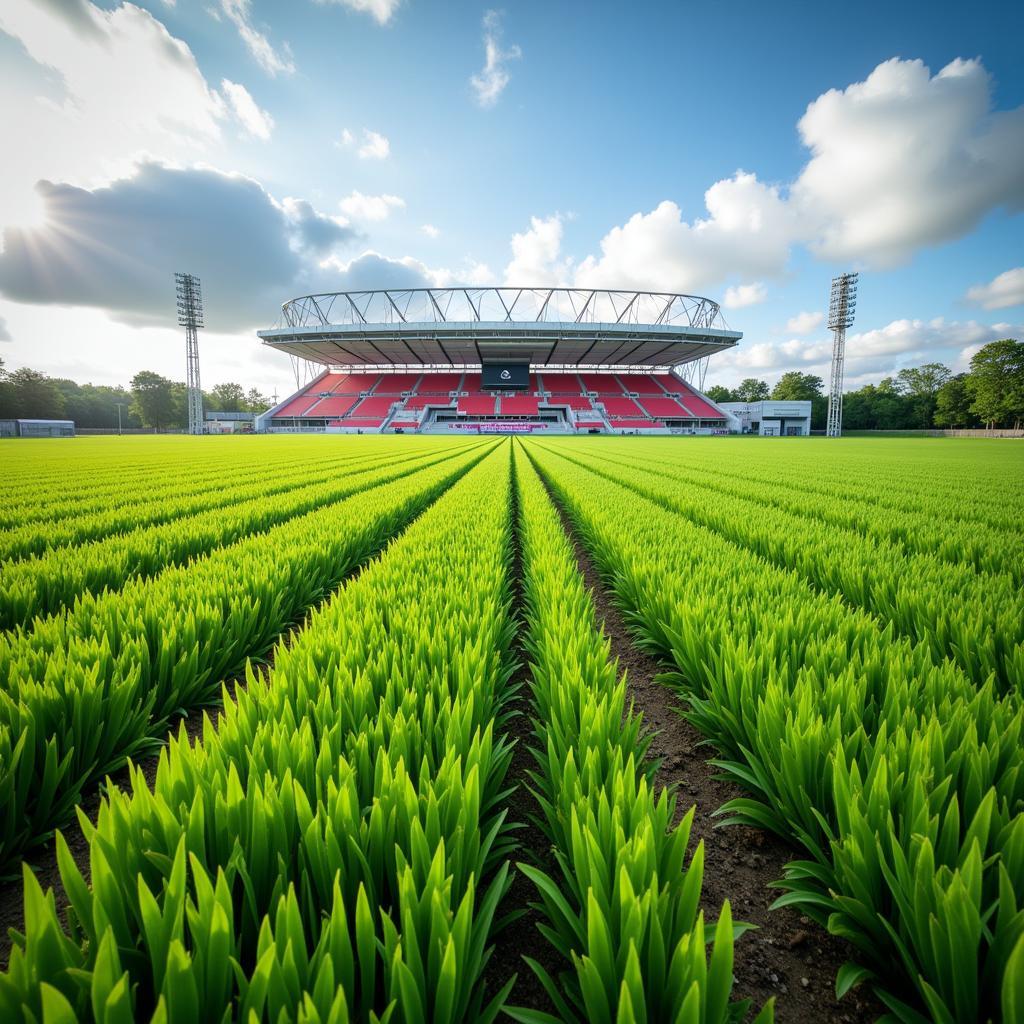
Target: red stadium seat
{"x": 421, "y": 401}
{"x": 477, "y": 405}
{"x": 336, "y": 405}
{"x": 619, "y": 406}
{"x": 354, "y": 383}
{"x": 520, "y": 405}
{"x": 439, "y": 383}
{"x": 641, "y": 383}
{"x": 561, "y": 383}
{"x": 631, "y": 424}
{"x": 396, "y": 383}
{"x": 663, "y": 406}
{"x": 572, "y": 401}
{"x": 375, "y": 406}
{"x": 603, "y": 383}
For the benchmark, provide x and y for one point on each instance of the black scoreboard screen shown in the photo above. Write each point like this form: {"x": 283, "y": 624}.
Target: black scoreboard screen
{"x": 505, "y": 376}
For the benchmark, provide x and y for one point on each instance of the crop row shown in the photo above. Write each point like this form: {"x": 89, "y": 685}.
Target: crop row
{"x": 902, "y": 780}
{"x": 896, "y": 476}
{"x": 928, "y": 531}
{"x": 86, "y": 689}
{"x": 128, "y": 504}
{"x": 975, "y": 620}
{"x": 42, "y": 586}
{"x": 623, "y": 911}
{"x": 335, "y": 849}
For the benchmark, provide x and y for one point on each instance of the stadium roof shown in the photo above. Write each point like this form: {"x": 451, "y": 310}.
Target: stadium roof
{"x": 459, "y": 326}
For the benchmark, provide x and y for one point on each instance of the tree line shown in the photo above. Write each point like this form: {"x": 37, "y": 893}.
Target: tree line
{"x": 151, "y": 400}
{"x": 990, "y": 394}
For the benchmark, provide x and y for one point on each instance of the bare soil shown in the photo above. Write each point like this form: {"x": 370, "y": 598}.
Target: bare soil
{"x": 788, "y": 956}
{"x": 520, "y": 937}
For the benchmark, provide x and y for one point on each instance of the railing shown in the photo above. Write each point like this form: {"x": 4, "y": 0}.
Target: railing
{"x": 501, "y": 305}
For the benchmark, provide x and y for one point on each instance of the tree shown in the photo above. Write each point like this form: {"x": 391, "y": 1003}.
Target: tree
{"x": 953, "y": 404}
{"x": 921, "y": 385}
{"x": 256, "y": 401}
{"x": 228, "y": 398}
{"x": 751, "y": 390}
{"x": 717, "y": 393}
{"x": 996, "y": 383}
{"x": 153, "y": 400}
{"x": 795, "y": 386}
{"x": 32, "y": 395}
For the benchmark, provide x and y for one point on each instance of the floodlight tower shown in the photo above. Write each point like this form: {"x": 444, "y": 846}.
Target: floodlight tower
{"x": 842, "y": 305}
{"x": 190, "y": 316}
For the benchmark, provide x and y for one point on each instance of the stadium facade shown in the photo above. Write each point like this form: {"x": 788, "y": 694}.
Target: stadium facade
{"x": 500, "y": 360}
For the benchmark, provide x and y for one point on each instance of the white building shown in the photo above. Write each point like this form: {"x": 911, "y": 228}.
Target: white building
{"x": 771, "y": 418}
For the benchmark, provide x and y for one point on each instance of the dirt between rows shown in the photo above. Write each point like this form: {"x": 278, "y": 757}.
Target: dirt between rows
{"x": 788, "y": 955}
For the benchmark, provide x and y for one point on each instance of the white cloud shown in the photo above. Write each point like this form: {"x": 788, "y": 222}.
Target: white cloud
{"x": 258, "y": 123}
{"x": 115, "y": 247}
{"x": 905, "y": 160}
{"x": 804, "y": 323}
{"x": 747, "y": 233}
{"x": 745, "y": 295}
{"x": 101, "y": 122}
{"x": 899, "y": 161}
{"x": 1005, "y": 290}
{"x": 870, "y": 355}
{"x": 370, "y": 208}
{"x": 239, "y": 13}
{"x": 5, "y": 335}
{"x": 535, "y": 255}
{"x": 380, "y": 10}
{"x": 430, "y": 231}
{"x": 490, "y": 82}
{"x": 374, "y": 145}
{"x": 902, "y": 336}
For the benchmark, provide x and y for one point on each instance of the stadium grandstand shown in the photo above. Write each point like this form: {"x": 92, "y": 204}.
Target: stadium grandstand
{"x": 500, "y": 360}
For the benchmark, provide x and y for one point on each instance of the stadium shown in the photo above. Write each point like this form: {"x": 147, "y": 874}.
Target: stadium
{"x": 501, "y": 360}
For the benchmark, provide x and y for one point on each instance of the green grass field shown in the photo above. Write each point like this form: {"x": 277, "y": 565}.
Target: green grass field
{"x": 391, "y": 623}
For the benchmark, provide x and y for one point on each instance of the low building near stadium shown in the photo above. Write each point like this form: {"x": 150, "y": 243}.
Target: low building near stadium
{"x": 37, "y": 428}
{"x": 770, "y": 418}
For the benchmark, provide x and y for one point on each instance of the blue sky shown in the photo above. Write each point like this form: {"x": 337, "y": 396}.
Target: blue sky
{"x": 741, "y": 151}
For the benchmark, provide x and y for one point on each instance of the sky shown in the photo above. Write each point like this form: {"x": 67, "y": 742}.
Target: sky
{"x": 747, "y": 152}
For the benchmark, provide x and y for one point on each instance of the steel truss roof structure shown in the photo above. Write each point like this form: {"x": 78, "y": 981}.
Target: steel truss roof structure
{"x": 465, "y": 326}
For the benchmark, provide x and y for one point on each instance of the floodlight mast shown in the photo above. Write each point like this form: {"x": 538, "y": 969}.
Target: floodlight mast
{"x": 190, "y": 316}
{"x": 842, "y": 306}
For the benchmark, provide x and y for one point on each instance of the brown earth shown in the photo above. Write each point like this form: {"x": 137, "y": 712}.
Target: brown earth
{"x": 788, "y": 956}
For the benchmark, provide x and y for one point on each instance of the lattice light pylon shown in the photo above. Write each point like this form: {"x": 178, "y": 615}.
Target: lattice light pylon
{"x": 190, "y": 316}
{"x": 842, "y": 307}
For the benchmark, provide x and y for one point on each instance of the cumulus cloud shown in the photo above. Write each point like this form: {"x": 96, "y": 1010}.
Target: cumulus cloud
{"x": 315, "y": 232}
{"x": 258, "y": 123}
{"x": 1005, "y": 290}
{"x": 745, "y": 295}
{"x": 746, "y": 233}
{"x": 380, "y": 10}
{"x": 535, "y": 255}
{"x": 373, "y": 147}
{"x": 489, "y": 83}
{"x": 906, "y": 159}
{"x": 870, "y": 355}
{"x": 370, "y": 208}
{"x": 239, "y": 13}
{"x": 804, "y": 323}
{"x": 5, "y": 334}
{"x": 900, "y": 161}
{"x": 430, "y": 231}
{"x": 117, "y": 247}
{"x": 101, "y": 121}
